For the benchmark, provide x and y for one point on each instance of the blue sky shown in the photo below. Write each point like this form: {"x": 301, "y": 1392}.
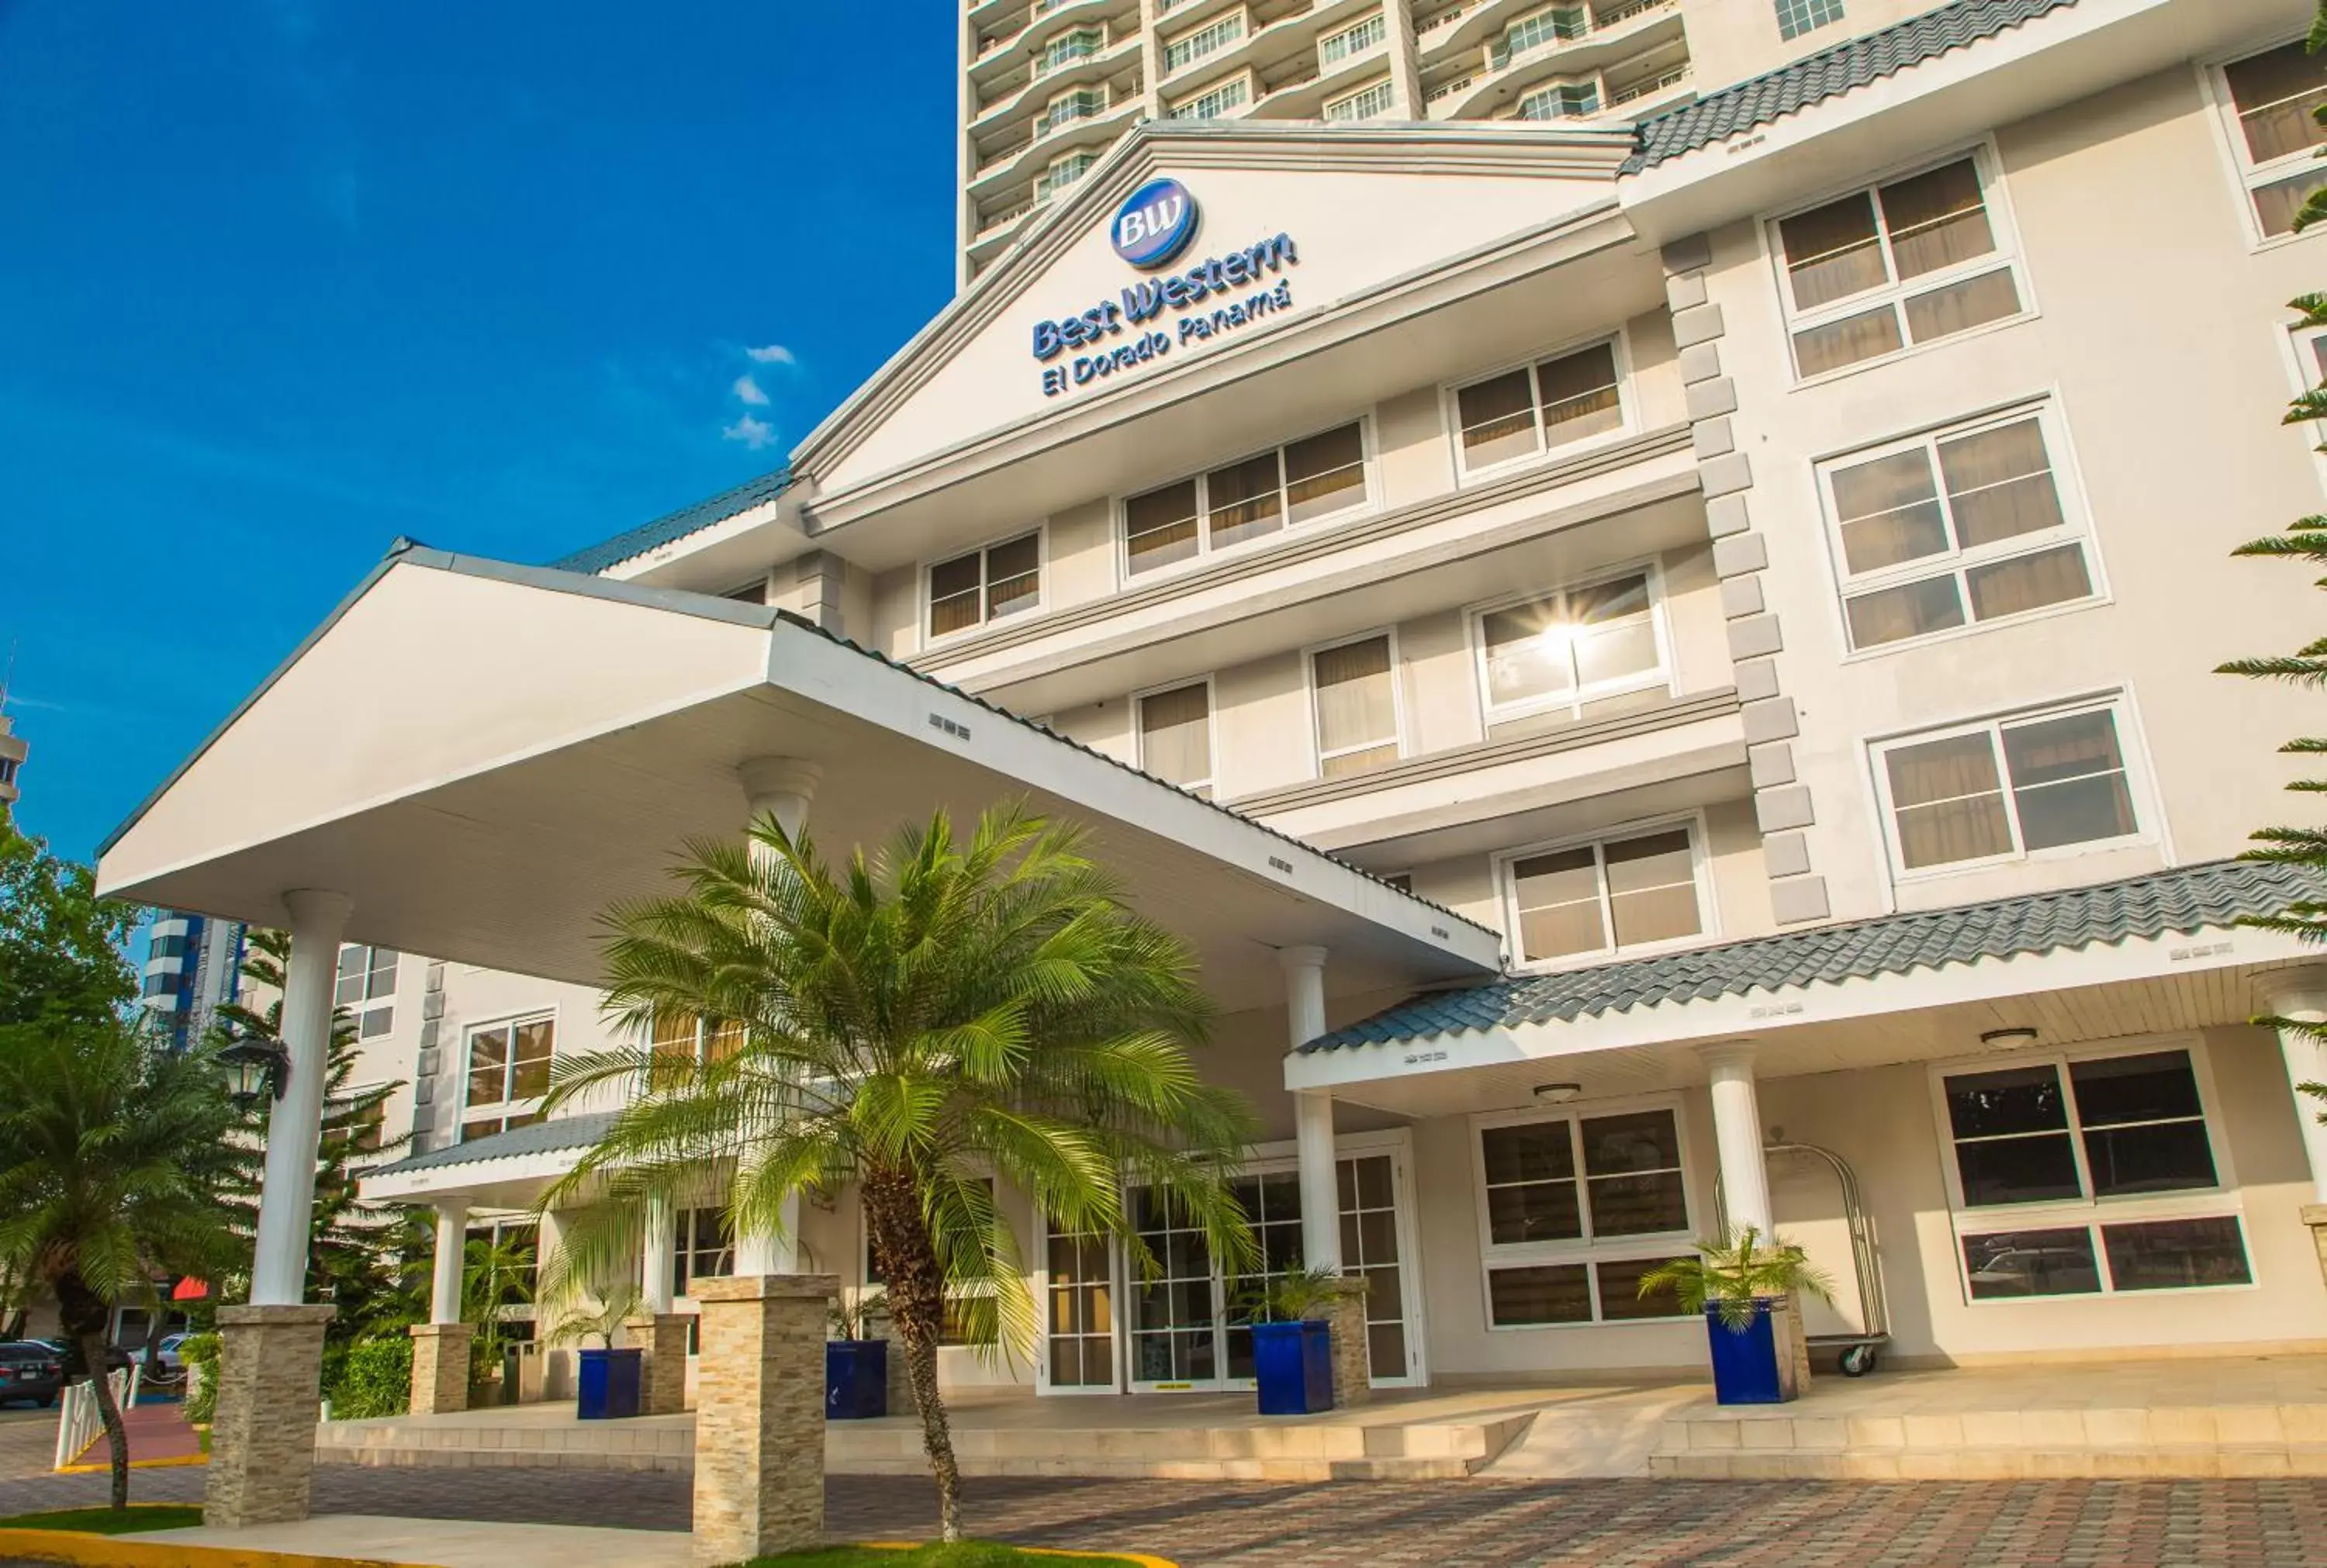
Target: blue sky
{"x": 281, "y": 280}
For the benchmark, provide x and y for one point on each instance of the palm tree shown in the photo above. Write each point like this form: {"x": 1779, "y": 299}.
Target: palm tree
{"x": 112, "y": 1152}
{"x": 939, "y": 1015}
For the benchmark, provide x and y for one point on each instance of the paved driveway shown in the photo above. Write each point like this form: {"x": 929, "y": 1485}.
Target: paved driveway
{"x": 1443, "y": 1525}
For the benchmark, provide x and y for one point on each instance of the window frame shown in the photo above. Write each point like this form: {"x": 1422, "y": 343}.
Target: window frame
{"x": 1811, "y": 23}
{"x": 1665, "y": 676}
{"x": 365, "y": 1008}
{"x": 1700, "y": 855}
{"x": 2306, "y": 351}
{"x": 1586, "y": 1249}
{"x": 1040, "y": 533}
{"x": 1378, "y": 19}
{"x": 1380, "y": 84}
{"x": 1239, "y": 14}
{"x": 2223, "y": 1201}
{"x": 2067, "y": 490}
{"x": 1995, "y": 198}
{"x": 503, "y": 1109}
{"x": 2132, "y": 750}
{"x": 1184, "y": 108}
{"x": 2229, "y": 141}
{"x": 1317, "y": 757}
{"x": 1211, "y": 783}
{"x": 1450, "y": 394}
{"x": 684, "y": 1247}
{"x": 1119, "y": 506}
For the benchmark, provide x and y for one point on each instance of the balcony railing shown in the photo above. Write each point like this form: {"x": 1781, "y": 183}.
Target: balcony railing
{"x": 1655, "y": 84}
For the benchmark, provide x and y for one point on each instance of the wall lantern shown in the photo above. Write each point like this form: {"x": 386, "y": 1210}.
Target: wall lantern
{"x": 257, "y": 1068}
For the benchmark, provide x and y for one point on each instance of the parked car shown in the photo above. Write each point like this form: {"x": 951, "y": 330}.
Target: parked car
{"x": 30, "y": 1370}
{"x": 168, "y": 1364}
{"x": 116, "y": 1358}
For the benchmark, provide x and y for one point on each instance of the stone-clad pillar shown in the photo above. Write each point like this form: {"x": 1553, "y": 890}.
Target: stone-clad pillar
{"x": 439, "y": 1367}
{"x": 759, "y": 1416}
{"x": 1352, "y": 1357}
{"x": 263, "y": 1437}
{"x": 663, "y": 1337}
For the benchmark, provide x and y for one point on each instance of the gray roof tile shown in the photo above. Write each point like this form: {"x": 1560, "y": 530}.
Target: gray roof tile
{"x": 2192, "y": 898}
{"x": 677, "y": 525}
{"x": 541, "y": 1138}
{"x": 1854, "y": 63}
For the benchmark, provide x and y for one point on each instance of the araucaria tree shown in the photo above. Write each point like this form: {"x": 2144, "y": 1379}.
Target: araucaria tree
{"x": 922, "y": 1023}
{"x": 2306, "y": 541}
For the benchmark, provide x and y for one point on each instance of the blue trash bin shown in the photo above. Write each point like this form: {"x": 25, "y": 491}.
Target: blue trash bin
{"x": 606, "y": 1386}
{"x": 1293, "y": 1364}
{"x": 1744, "y": 1361}
{"x": 856, "y": 1379}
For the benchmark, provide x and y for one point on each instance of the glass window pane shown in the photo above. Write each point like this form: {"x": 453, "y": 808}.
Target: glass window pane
{"x": 1528, "y": 649}
{"x": 2274, "y": 92}
{"x": 1160, "y": 527}
{"x": 1639, "y": 1141}
{"x": 1832, "y": 252}
{"x": 2030, "y": 1170}
{"x": 2161, "y": 1157}
{"x": 1947, "y": 801}
{"x": 1579, "y": 395}
{"x": 1537, "y": 1211}
{"x": 378, "y": 1021}
{"x": 488, "y": 1067}
{"x": 1652, "y": 888}
{"x": 1497, "y": 419}
{"x": 1618, "y": 652}
{"x": 529, "y": 1079}
{"x": 2156, "y": 1086}
{"x": 1554, "y": 1294}
{"x": 1886, "y": 484}
{"x": 1884, "y": 539}
{"x": 1531, "y": 1152}
{"x": 1910, "y": 609}
{"x": 1245, "y": 500}
{"x": 2176, "y": 1254}
{"x": 1175, "y": 734}
{"x": 954, "y": 595}
{"x": 1865, "y": 336}
{"x": 381, "y": 979}
{"x": 1014, "y": 576}
{"x": 1937, "y": 220}
{"x": 1962, "y": 306}
{"x": 2029, "y": 582}
{"x": 1558, "y": 897}
{"x": 1325, "y": 474}
{"x": 2019, "y": 1099}
{"x": 1620, "y": 1290}
{"x": 2279, "y": 203}
{"x": 1650, "y": 1205}
{"x": 2030, "y": 1263}
{"x": 1355, "y": 705}
{"x": 2068, "y": 780}
{"x": 1999, "y": 483}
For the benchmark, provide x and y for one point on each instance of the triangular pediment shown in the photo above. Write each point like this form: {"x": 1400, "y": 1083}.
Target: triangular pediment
{"x": 1288, "y": 223}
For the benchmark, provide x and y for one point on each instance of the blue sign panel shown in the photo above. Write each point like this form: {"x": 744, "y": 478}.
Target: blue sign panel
{"x": 1153, "y": 224}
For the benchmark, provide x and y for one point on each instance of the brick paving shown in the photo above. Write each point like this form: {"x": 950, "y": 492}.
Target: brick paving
{"x": 1443, "y": 1525}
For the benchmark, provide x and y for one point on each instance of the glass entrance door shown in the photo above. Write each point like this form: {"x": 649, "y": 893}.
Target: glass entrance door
{"x": 1175, "y": 1316}
{"x": 1079, "y": 1313}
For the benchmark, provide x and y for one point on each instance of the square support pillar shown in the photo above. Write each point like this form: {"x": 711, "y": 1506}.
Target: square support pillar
{"x": 663, "y": 1337}
{"x": 2314, "y": 1219}
{"x": 262, "y": 1468}
{"x": 439, "y": 1367}
{"x": 759, "y": 1416}
{"x": 1353, "y": 1382}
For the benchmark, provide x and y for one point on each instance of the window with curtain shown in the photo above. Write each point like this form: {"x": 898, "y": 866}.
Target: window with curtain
{"x": 1577, "y": 1209}
{"x": 1606, "y": 896}
{"x": 1247, "y": 499}
{"x": 1175, "y": 736}
{"x": 1903, "y": 264}
{"x": 2009, "y": 788}
{"x": 507, "y": 1075}
{"x": 2096, "y": 1156}
{"x": 2268, "y": 100}
{"x": 1538, "y": 408}
{"x": 985, "y": 585}
{"x": 1354, "y": 689}
{"x": 1964, "y": 526}
{"x": 1561, "y": 649}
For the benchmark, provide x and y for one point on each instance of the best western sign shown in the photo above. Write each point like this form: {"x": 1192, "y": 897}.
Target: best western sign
{"x": 1150, "y": 230}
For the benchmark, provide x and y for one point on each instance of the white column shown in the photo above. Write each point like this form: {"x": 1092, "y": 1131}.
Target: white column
{"x": 781, "y": 787}
{"x": 1312, "y": 1113}
{"x": 2301, "y": 995}
{"x": 451, "y": 1250}
{"x": 660, "y": 1242}
{"x": 286, "y": 1200}
{"x": 1737, "y": 1132}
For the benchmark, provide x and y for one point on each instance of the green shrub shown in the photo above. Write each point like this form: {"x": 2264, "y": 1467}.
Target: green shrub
{"x": 374, "y": 1378}
{"x": 200, "y": 1351}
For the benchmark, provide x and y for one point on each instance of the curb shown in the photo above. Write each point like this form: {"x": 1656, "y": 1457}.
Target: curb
{"x": 173, "y": 1461}
{"x": 1141, "y": 1559}
{"x": 88, "y": 1551}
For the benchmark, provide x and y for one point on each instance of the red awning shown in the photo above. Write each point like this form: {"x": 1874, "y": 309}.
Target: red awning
{"x": 188, "y": 1289}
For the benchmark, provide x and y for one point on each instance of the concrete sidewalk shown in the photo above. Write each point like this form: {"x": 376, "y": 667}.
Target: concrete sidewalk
{"x": 449, "y": 1543}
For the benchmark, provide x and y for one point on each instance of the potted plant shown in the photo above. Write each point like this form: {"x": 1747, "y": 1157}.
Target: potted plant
{"x": 1292, "y": 1344}
{"x": 1746, "y": 1289}
{"x": 857, "y": 1361}
{"x": 607, "y": 1382}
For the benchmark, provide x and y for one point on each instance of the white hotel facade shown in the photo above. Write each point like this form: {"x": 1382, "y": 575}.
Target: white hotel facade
{"x": 1663, "y": 639}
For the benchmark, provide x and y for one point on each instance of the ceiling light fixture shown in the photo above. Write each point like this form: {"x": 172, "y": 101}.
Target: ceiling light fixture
{"x": 2006, "y": 1038}
{"x": 1557, "y": 1094}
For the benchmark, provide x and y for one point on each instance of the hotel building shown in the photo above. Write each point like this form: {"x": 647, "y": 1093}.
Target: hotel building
{"x": 1647, "y": 640}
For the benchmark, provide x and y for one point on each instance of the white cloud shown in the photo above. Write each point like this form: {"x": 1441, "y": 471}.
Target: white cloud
{"x": 755, "y": 434}
{"x": 748, "y": 390}
{"x": 772, "y": 354}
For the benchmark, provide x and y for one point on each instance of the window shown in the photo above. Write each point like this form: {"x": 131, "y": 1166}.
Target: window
{"x": 1906, "y": 263}
{"x": 2008, "y": 787}
{"x": 703, "y": 1247}
{"x": 508, "y": 1074}
{"x": 1537, "y": 407}
{"x": 1608, "y": 896}
{"x": 1191, "y": 47}
{"x": 683, "y": 1043}
{"x": 1369, "y": 102}
{"x": 1964, "y": 526}
{"x": 985, "y": 585}
{"x": 1175, "y": 736}
{"x": 1555, "y": 25}
{"x": 1557, "y": 651}
{"x": 1215, "y": 102}
{"x": 1581, "y": 1207}
{"x": 1081, "y": 103}
{"x": 1565, "y": 100}
{"x": 1246, "y": 500}
{"x": 359, "y": 1117}
{"x": 2106, "y": 1147}
{"x": 1069, "y": 47}
{"x": 367, "y": 987}
{"x": 1336, "y": 47}
{"x": 2273, "y": 135}
{"x": 1063, "y": 173}
{"x": 1354, "y": 690}
{"x": 1796, "y": 17}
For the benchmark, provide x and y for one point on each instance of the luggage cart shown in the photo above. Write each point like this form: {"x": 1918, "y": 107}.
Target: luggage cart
{"x": 1859, "y": 1351}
